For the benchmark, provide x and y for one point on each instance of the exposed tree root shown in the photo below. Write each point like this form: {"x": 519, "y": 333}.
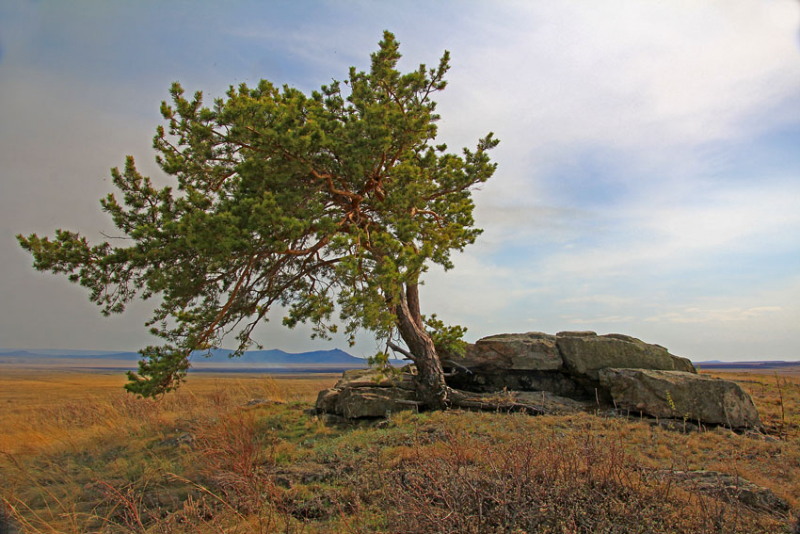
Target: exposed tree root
{"x": 496, "y": 402}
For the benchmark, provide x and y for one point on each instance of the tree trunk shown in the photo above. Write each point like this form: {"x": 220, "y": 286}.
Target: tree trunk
{"x": 431, "y": 387}
{"x": 432, "y": 390}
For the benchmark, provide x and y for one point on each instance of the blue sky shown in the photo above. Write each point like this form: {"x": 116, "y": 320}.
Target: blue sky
{"x": 648, "y": 178}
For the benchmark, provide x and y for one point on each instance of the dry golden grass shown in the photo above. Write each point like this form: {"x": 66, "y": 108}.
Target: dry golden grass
{"x": 42, "y": 409}
{"x": 81, "y": 455}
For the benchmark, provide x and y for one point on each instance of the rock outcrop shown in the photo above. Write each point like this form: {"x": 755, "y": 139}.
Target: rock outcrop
{"x": 566, "y": 364}
{"x": 586, "y": 353}
{"x": 544, "y": 373}
{"x": 533, "y": 351}
{"x": 680, "y": 395}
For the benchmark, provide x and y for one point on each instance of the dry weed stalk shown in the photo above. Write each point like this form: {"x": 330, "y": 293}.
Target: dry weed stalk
{"x": 783, "y": 410}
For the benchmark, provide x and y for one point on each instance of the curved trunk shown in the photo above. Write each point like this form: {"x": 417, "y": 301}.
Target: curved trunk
{"x": 431, "y": 387}
{"x": 432, "y": 390}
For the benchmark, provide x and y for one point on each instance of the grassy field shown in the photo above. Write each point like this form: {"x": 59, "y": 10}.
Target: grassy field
{"x": 79, "y": 455}
{"x": 44, "y": 409}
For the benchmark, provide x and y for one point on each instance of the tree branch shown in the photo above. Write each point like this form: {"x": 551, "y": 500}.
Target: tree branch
{"x": 412, "y": 298}
{"x": 458, "y": 365}
{"x": 401, "y": 350}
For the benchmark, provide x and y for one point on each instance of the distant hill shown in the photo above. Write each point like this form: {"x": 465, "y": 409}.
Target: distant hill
{"x": 279, "y": 357}
{"x": 276, "y": 356}
{"x": 272, "y": 357}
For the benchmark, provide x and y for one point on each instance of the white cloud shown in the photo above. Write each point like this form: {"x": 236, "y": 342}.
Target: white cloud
{"x": 706, "y": 315}
{"x": 660, "y": 95}
{"x": 613, "y": 301}
{"x": 629, "y": 74}
{"x": 654, "y": 235}
{"x": 607, "y": 319}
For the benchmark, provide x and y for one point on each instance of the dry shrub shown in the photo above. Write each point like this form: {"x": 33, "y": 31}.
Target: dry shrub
{"x": 235, "y": 458}
{"x": 563, "y": 484}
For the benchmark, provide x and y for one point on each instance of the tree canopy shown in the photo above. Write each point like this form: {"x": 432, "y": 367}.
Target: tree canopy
{"x": 323, "y": 204}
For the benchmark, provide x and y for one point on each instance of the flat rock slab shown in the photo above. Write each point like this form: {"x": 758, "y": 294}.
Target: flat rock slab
{"x": 369, "y": 401}
{"x": 375, "y": 402}
{"x": 681, "y": 395}
{"x": 522, "y": 352}
{"x": 585, "y": 353}
{"x": 373, "y": 378}
{"x": 731, "y": 488}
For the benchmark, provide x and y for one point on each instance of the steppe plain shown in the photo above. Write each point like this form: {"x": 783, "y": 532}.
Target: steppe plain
{"x": 241, "y": 453}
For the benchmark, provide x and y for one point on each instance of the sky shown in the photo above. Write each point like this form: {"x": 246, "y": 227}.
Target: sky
{"x": 648, "y": 176}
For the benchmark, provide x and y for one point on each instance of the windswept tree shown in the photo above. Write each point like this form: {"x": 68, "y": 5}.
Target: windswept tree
{"x": 333, "y": 202}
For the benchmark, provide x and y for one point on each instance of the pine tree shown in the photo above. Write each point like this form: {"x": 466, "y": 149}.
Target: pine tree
{"x": 331, "y": 202}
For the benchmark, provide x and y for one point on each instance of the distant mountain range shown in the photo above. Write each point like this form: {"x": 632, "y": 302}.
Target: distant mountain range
{"x": 272, "y": 356}
{"x": 278, "y": 358}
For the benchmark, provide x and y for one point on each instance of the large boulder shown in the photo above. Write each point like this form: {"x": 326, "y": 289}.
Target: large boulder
{"x": 355, "y": 403}
{"x": 731, "y": 488}
{"x": 524, "y": 362}
{"x": 532, "y": 351}
{"x": 585, "y": 353}
{"x": 369, "y": 393}
{"x": 327, "y": 399}
{"x": 566, "y": 364}
{"x": 680, "y": 395}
